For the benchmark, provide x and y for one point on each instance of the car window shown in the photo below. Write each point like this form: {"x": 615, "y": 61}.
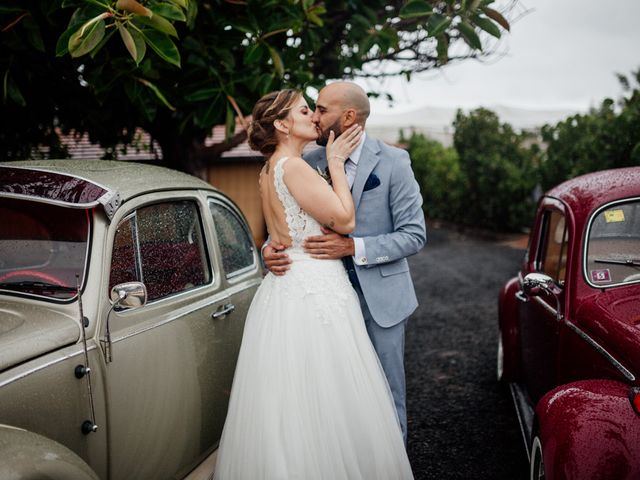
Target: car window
{"x": 552, "y": 258}
{"x": 162, "y": 246}
{"x": 613, "y": 245}
{"x": 234, "y": 239}
{"x": 42, "y": 248}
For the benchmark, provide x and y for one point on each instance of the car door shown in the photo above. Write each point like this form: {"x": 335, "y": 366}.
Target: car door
{"x": 164, "y": 370}
{"x": 242, "y": 273}
{"x": 539, "y": 324}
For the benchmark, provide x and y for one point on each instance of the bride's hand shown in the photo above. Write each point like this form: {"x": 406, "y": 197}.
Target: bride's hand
{"x": 339, "y": 149}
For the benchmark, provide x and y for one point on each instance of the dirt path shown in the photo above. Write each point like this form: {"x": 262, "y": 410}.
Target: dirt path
{"x": 461, "y": 424}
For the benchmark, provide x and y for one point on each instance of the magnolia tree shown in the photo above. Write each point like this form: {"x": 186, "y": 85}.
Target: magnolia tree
{"x": 176, "y": 68}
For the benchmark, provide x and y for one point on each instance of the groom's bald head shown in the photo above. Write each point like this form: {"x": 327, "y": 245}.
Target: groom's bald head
{"x": 339, "y": 106}
{"x": 349, "y": 96}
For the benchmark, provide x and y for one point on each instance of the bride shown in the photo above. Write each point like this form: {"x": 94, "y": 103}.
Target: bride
{"x": 309, "y": 400}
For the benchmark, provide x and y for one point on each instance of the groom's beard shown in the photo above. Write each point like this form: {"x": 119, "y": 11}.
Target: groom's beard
{"x": 323, "y": 136}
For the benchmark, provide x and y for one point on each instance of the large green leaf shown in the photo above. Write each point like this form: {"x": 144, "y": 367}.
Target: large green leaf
{"x": 182, "y": 3}
{"x": 159, "y": 23}
{"x": 11, "y": 90}
{"x": 102, "y": 42}
{"x": 203, "y": 94}
{"x": 4, "y": 9}
{"x": 277, "y": 61}
{"x": 209, "y": 114}
{"x": 230, "y": 122}
{"x": 416, "y": 8}
{"x": 141, "y": 46}
{"x": 87, "y": 37}
{"x": 443, "y": 49}
{"x": 254, "y": 53}
{"x": 127, "y": 39}
{"x": 134, "y": 42}
{"x": 470, "y": 36}
{"x": 437, "y": 24}
{"x": 496, "y": 17}
{"x": 168, "y": 10}
{"x": 162, "y": 45}
{"x": 79, "y": 17}
{"x": 487, "y": 25}
{"x": 33, "y": 33}
{"x": 156, "y": 91}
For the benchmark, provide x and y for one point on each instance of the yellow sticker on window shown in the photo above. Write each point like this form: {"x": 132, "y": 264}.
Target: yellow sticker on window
{"x": 614, "y": 216}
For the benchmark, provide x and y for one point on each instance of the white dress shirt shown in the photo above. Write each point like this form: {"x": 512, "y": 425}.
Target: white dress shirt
{"x": 350, "y": 167}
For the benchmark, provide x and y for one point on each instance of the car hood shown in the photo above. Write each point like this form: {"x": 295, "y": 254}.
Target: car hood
{"x": 28, "y": 330}
{"x": 613, "y": 318}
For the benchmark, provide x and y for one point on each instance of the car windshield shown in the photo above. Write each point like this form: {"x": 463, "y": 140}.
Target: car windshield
{"x": 42, "y": 248}
{"x": 613, "y": 246}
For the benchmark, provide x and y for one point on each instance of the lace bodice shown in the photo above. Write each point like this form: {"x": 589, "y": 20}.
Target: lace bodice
{"x": 299, "y": 222}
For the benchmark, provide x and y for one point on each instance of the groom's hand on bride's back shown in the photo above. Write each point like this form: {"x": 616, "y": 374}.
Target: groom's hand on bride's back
{"x": 330, "y": 246}
{"x": 275, "y": 259}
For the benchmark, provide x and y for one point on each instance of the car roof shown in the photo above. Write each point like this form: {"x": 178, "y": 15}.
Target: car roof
{"x": 589, "y": 191}
{"x": 129, "y": 179}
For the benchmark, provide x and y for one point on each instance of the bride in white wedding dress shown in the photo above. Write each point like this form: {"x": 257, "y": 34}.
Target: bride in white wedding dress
{"x": 309, "y": 399}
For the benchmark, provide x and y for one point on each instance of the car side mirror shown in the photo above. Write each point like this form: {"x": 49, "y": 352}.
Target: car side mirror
{"x": 536, "y": 283}
{"x": 129, "y": 295}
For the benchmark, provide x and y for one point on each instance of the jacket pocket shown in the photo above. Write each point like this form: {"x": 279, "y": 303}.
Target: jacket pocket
{"x": 393, "y": 268}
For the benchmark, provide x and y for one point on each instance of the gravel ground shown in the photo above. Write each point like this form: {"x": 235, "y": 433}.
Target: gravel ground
{"x": 462, "y": 425}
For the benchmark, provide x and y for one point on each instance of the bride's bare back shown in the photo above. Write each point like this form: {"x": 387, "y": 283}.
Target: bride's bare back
{"x": 312, "y": 194}
{"x": 272, "y": 208}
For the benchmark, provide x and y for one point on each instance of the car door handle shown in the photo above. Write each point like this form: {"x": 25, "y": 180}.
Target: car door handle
{"x": 521, "y": 296}
{"x": 223, "y": 311}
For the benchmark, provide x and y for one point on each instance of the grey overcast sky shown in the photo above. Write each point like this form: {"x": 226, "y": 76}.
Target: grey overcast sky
{"x": 563, "y": 54}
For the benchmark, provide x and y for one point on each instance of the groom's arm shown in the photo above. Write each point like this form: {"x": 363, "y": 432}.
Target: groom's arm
{"x": 409, "y": 230}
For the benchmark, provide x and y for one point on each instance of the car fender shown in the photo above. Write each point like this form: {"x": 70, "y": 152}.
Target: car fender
{"x": 27, "y": 455}
{"x": 508, "y": 323}
{"x": 588, "y": 429}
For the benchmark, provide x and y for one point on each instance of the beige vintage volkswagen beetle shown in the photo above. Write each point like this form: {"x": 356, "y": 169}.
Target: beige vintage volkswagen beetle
{"x": 123, "y": 294}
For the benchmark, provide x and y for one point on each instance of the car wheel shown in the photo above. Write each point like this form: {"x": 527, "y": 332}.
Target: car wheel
{"x": 500, "y": 360}
{"x": 537, "y": 463}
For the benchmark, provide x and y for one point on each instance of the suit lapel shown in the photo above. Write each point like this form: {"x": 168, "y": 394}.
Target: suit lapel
{"x": 368, "y": 160}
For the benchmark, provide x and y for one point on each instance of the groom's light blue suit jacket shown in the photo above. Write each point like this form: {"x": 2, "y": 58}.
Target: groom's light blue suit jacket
{"x": 390, "y": 220}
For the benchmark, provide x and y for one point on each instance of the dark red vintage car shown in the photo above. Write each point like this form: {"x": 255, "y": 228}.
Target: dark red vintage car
{"x": 569, "y": 342}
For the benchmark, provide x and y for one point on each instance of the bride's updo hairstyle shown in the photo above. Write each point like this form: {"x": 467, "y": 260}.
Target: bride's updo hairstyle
{"x": 273, "y": 106}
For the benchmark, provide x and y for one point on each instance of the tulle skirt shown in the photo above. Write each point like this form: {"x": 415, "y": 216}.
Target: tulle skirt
{"x": 309, "y": 398}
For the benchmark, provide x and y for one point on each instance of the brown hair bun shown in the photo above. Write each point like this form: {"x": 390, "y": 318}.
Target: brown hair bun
{"x": 271, "y": 107}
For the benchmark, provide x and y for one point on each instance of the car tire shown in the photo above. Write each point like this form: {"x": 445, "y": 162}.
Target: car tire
{"x": 536, "y": 466}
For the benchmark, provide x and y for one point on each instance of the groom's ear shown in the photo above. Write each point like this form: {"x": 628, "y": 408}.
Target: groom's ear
{"x": 349, "y": 118}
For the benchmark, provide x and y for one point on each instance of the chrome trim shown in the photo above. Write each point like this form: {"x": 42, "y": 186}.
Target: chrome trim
{"x": 601, "y": 350}
{"x": 216, "y": 299}
{"x": 587, "y": 231}
{"x": 243, "y": 270}
{"x": 549, "y": 308}
{"x": 46, "y": 365}
{"x": 521, "y": 296}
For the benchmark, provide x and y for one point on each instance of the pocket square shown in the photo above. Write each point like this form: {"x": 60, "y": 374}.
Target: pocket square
{"x": 372, "y": 182}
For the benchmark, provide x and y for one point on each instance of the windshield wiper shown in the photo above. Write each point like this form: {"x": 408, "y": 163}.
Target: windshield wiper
{"x": 40, "y": 285}
{"x": 631, "y": 262}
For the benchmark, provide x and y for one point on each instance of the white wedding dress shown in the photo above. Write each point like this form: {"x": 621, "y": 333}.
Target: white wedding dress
{"x": 309, "y": 398}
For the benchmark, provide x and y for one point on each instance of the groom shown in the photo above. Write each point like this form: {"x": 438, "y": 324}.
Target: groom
{"x": 390, "y": 226}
